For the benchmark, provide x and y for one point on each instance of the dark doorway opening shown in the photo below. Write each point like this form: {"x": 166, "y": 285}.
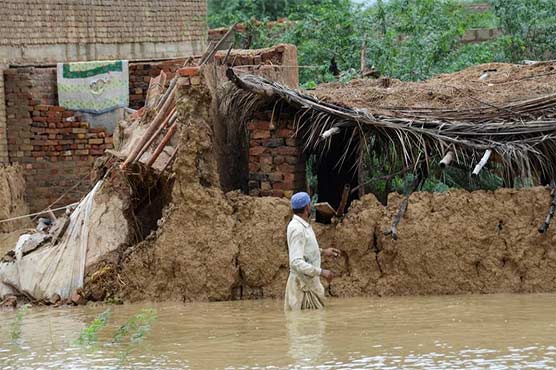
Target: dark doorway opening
{"x": 336, "y": 167}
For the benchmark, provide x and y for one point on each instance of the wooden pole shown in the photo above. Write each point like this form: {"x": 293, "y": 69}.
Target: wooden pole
{"x": 162, "y": 144}
{"x": 157, "y": 121}
{"x": 482, "y": 163}
{"x": 448, "y": 158}
{"x": 397, "y": 218}
{"x": 364, "y": 56}
{"x": 343, "y": 201}
{"x": 546, "y": 224}
{"x": 167, "y": 121}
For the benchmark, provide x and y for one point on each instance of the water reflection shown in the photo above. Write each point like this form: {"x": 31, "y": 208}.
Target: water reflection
{"x": 306, "y": 331}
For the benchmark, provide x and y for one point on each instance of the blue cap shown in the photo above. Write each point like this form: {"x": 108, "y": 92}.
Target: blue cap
{"x": 300, "y": 200}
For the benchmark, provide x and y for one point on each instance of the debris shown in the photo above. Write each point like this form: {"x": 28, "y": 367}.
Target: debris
{"x": 77, "y": 297}
{"x": 9, "y": 301}
{"x": 482, "y": 163}
{"x": 343, "y": 202}
{"x": 448, "y": 158}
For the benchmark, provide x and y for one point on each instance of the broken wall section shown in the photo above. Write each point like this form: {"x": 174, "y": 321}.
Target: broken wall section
{"x": 12, "y": 204}
{"x": 232, "y": 137}
{"x": 55, "y": 147}
{"x": 216, "y": 246}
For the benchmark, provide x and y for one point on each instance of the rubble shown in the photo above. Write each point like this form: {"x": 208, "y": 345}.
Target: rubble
{"x": 167, "y": 231}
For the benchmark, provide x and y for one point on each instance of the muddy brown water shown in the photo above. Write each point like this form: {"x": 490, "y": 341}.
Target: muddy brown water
{"x": 490, "y": 332}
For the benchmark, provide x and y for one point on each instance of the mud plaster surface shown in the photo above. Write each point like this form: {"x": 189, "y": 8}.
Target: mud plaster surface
{"x": 12, "y": 204}
{"x": 216, "y": 246}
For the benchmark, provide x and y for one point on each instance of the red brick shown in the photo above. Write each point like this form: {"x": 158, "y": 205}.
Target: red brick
{"x": 292, "y": 160}
{"x": 253, "y": 166}
{"x": 286, "y": 150}
{"x": 260, "y": 134}
{"x": 286, "y": 168}
{"x": 55, "y": 108}
{"x": 291, "y": 142}
{"x": 279, "y": 159}
{"x": 258, "y": 125}
{"x": 285, "y": 133}
{"x": 278, "y": 193}
{"x": 188, "y": 71}
{"x": 266, "y": 159}
{"x": 258, "y": 150}
{"x": 283, "y": 186}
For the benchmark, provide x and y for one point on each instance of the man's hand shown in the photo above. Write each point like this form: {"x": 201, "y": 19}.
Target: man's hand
{"x": 331, "y": 252}
{"x": 328, "y": 274}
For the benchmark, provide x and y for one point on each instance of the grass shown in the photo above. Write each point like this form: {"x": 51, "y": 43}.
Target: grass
{"x": 89, "y": 334}
{"x": 15, "y": 327}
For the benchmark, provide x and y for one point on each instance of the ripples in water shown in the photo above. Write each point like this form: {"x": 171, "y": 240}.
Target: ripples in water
{"x": 464, "y": 332}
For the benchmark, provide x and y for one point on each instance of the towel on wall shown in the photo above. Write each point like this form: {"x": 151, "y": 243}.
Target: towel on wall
{"x": 94, "y": 87}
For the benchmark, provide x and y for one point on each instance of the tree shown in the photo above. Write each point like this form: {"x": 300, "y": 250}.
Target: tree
{"x": 529, "y": 28}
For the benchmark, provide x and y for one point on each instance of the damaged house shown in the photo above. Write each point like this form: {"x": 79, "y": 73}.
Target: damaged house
{"x": 191, "y": 203}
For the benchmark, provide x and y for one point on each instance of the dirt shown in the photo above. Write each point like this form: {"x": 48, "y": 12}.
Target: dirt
{"x": 212, "y": 245}
{"x": 503, "y": 83}
{"x": 12, "y": 189}
{"x": 452, "y": 243}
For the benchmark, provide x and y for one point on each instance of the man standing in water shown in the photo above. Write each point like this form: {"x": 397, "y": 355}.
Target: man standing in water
{"x": 304, "y": 289}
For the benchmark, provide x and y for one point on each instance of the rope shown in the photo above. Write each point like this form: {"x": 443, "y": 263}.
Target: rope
{"x": 38, "y": 213}
{"x": 64, "y": 194}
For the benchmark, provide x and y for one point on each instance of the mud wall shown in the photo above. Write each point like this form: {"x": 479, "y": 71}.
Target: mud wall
{"x": 216, "y": 246}
{"x": 12, "y": 204}
{"x": 12, "y": 189}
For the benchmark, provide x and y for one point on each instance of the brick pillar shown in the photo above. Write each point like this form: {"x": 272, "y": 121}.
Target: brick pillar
{"x": 276, "y": 160}
{"x": 4, "y": 158}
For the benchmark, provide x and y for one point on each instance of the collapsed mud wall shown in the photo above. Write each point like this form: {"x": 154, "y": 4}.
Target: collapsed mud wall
{"x": 12, "y": 190}
{"x": 12, "y": 204}
{"x": 212, "y": 245}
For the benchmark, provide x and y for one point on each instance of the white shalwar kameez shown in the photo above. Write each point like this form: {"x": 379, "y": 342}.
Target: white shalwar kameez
{"x": 304, "y": 289}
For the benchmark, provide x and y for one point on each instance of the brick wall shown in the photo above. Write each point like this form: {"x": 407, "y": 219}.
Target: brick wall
{"x": 278, "y": 63}
{"x": 141, "y": 73}
{"x": 477, "y": 35}
{"x": 276, "y": 160}
{"x": 4, "y": 157}
{"x": 55, "y": 147}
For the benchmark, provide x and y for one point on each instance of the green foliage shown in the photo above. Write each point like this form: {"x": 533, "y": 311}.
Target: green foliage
{"x": 223, "y": 13}
{"x": 15, "y": 326}
{"x": 404, "y": 39}
{"x": 89, "y": 334}
{"x": 136, "y": 326}
{"x": 529, "y": 28}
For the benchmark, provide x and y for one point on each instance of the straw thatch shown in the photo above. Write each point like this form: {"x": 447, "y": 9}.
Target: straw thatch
{"x": 525, "y": 147}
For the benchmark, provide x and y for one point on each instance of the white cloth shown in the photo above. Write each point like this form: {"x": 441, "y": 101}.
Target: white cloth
{"x": 304, "y": 257}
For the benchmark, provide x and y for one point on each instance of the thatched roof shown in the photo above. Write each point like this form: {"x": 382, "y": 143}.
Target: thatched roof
{"x": 485, "y": 86}
{"x": 519, "y": 128}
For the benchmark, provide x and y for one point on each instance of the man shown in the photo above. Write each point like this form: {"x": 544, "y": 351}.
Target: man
{"x": 304, "y": 289}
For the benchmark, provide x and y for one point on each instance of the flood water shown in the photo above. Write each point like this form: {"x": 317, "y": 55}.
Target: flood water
{"x": 472, "y": 332}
